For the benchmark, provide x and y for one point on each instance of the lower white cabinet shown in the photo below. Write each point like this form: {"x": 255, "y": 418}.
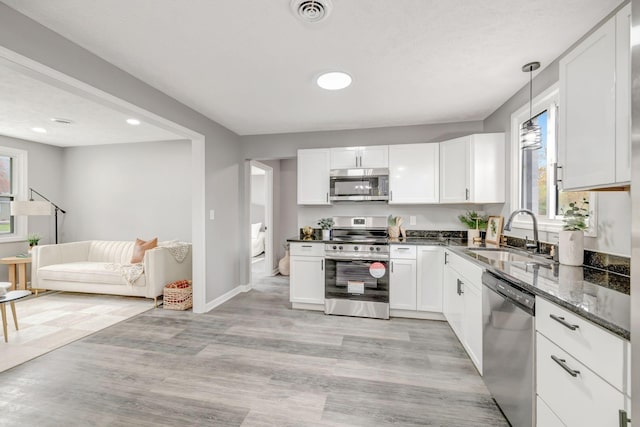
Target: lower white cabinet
{"x": 545, "y": 416}
{"x": 402, "y": 284}
{"x": 462, "y": 304}
{"x": 306, "y": 279}
{"x": 429, "y": 281}
{"x": 581, "y": 372}
{"x": 577, "y": 395}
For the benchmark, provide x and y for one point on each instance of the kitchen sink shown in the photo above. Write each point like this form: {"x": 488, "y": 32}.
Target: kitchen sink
{"x": 506, "y": 255}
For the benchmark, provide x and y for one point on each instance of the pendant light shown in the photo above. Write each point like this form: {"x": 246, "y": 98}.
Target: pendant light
{"x": 530, "y": 136}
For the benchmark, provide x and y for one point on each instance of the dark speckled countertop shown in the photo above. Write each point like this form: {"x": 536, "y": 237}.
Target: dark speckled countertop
{"x": 597, "y": 295}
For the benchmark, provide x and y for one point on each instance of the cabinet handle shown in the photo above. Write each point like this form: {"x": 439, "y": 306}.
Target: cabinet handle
{"x": 446, "y": 255}
{"x": 459, "y": 284}
{"x": 391, "y": 195}
{"x": 466, "y": 194}
{"x": 307, "y": 246}
{"x": 402, "y": 249}
{"x": 623, "y": 418}
{"x": 322, "y": 264}
{"x": 564, "y": 322}
{"x": 327, "y": 197}
{"x": 392, "y": 266}
{"x": 555, "y": 174}
{"x": 564, "y": 366}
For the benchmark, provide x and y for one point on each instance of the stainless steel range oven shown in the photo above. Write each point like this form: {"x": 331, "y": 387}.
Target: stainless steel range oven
{"x": 357, "y": 269}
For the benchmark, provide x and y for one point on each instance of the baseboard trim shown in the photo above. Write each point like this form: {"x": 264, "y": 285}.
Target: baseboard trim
{"x": 423, "y": 315}
{"x": 307, "y": 306}
{"x": 226, "y": 297}
{"x": 275, "y": 272}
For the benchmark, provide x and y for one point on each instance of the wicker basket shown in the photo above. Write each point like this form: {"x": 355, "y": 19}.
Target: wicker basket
{"x": 178, "y": 295}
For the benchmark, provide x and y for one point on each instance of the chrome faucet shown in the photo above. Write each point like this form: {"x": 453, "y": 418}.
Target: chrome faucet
{"x": 536, "y": 243}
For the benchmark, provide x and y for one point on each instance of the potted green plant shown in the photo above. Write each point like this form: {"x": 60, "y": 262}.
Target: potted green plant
{"x": 326, "y": 224}
{"x": 33, "y": 240}
{"x": 571, "y": 238}
{"x": 475, "y": 222}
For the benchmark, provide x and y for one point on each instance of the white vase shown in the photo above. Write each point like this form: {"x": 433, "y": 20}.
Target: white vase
{"x": 326, "y": 234}
{"x": 571, "y": 247}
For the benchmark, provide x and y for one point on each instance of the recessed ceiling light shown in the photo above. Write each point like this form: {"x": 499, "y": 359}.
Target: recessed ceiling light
{"x": 334, "y": 80}
{"x": 134, "y": 122}
{"x": 61, "y": 120}
{"x": 39, "y": 130}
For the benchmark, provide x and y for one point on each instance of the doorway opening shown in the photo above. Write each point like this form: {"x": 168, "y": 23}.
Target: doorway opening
{"x": 261, "y": 221}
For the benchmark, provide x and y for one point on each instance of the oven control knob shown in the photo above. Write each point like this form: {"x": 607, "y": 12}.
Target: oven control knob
{"x": 378, "y": 249}
{"x": 335, "y": 247}
{"x": 340, "y": 247}
{"x": 371, "y": 248}
{"x": 355, "y": 248}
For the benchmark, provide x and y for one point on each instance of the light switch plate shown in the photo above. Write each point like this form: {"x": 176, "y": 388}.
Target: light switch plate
{"x": 212, "y": 214}
{"x": 412, "y": 220}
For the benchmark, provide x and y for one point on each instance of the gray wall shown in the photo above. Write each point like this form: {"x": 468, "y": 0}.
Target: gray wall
{"x": 283, "y": 146}
{"x": 45, "y": 166}
{"x": 126, "y": 191}
{"x": 222, "y": 153}
{"x": 614, "y": 208}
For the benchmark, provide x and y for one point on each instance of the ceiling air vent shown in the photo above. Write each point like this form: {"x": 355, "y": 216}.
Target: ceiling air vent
{"x": 311, "y": 10}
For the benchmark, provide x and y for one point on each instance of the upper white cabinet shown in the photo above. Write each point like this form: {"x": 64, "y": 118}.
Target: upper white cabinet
{"x": 360, "y": 157}
{"x": 472, "y": 169}
{"x": 313, "y": 176}
{"x": 595, "y": 98}
{"x": 414, "y": 173}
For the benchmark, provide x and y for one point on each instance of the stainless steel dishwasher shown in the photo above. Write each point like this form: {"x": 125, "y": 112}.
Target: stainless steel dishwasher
{"x": 508, "y": 350}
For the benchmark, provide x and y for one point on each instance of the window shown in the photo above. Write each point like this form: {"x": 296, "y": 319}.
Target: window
{"x": 13, "y": 164}
{"x": 533, "y": 170}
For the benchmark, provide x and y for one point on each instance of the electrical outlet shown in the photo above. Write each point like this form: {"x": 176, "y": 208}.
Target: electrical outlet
{"x": 412, "y": 220}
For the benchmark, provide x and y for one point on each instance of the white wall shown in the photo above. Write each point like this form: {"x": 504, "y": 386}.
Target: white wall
{"x": 128, "y": 191}
{"x": 223, "y": 175}
{"x": 614, "y": 209}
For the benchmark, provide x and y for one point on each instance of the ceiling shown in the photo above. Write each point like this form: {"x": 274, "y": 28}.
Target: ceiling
{"x": 27, "y": 102}
{"x": 250, "y": 65}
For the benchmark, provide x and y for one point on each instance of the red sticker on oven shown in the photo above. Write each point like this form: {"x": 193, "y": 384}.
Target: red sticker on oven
{"x": 377, "y": 269}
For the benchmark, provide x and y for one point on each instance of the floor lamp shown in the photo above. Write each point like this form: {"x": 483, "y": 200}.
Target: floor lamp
{"x": 36, "y": 207}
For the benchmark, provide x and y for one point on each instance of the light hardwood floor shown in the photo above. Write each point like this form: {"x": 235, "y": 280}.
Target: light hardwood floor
{"x": 252, "y": 362}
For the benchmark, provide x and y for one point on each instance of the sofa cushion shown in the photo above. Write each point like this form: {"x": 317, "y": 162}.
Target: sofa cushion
{"x": 140, "y": 248}
{"x": 87, "y": 272}
{"x": 118, "y": 252}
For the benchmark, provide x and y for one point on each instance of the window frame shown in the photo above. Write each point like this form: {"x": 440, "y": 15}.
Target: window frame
{"x": 19, "y": 191}
{"x": 547, "y": 100}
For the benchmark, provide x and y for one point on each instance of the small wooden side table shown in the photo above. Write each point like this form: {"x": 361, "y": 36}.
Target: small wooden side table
{"x": 19, "y": 264}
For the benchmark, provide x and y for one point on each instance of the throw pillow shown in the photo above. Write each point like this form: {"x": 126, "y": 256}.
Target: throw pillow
{"x": 140, "y": 248}
{"x": 255, "y": 229}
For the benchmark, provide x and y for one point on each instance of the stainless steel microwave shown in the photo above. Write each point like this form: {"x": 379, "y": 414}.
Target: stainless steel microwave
{"x": 358, "y": 185}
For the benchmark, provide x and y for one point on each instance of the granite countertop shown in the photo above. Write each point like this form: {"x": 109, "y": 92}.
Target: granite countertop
{"x": 597, "y": 295}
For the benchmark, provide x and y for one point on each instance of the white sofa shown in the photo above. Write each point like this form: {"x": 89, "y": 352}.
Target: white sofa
{"x": 104, "y": 267}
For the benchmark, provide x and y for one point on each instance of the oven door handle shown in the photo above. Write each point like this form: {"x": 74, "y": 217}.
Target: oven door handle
{"x": 335, "y": 258}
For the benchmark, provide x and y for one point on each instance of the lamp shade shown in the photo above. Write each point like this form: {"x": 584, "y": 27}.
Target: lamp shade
{"x": 31, "y": 207}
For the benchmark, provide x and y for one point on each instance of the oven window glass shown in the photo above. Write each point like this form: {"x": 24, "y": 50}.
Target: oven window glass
{"x": 359, "y": 280}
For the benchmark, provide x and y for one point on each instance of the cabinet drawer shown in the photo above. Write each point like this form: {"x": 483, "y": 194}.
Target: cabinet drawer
{"x": 403, "y": 251}
{"x": 598, "y": 349}
{"x": 307, "y": 249}
{"x": 582, "y": 400}
{"x": 545, "y": 416}
{"x": 467, "y": 269}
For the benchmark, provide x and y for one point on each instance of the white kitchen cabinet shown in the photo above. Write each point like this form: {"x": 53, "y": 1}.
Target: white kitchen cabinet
{"x": 430, "y": 260}
{"x": 313, "y": 176}
{"x": 581, "y": 369}
{"x": 402, "y": 284}
{"x": 472, "y": 169}
{"x": 463, "y": 303}
{"x": 376, "y": 156}
{"x": 306, "y": 279}
{"x": 545, "y": 416}
{"x": 595, "y": 98}
{"x": 414, "y": 173}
